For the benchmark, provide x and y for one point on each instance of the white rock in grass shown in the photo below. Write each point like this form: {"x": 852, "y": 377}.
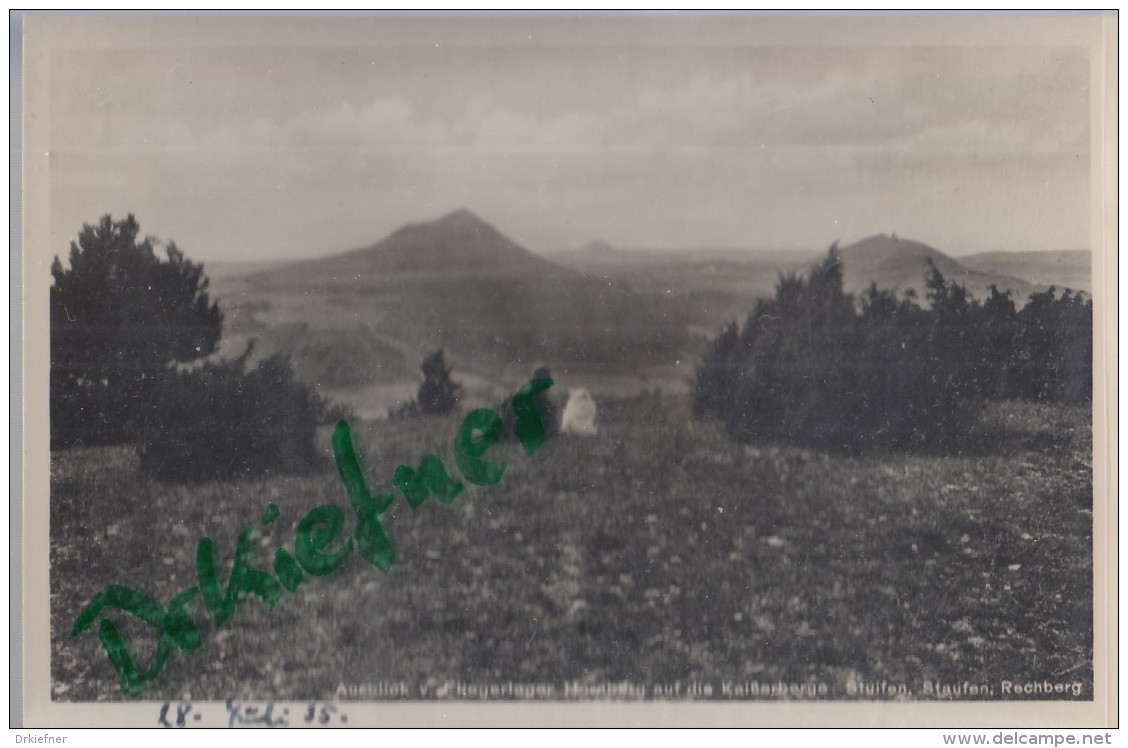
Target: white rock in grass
{"x": 579, "y": 414}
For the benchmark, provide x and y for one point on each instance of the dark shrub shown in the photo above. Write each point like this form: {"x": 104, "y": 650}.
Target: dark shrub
{"x": 999, "y": 345}
{"x": 1054, "y": 357}
{"x": 120, "y": 317}
{"x": 222, "y": 421}
{"x": 915, "y": 378}
{"x": 438, "y": 394}
{"x": 715, "y": 376}
{"x": 542, "y": 402}
{"x": 809, "y": 368}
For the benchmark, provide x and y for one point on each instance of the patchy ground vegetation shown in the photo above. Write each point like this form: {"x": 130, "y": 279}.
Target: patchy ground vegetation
{"x": 660, "y": 549}
{"x": 907, "y": 499}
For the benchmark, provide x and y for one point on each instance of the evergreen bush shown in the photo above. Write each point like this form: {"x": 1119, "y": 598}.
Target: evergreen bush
{"x": 223, "y": 421}
{"x": 438, "y": 394}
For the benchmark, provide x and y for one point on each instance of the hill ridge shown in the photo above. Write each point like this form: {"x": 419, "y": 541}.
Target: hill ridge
{"x": 365, "y": 317}
{"x": 899, "y": 264}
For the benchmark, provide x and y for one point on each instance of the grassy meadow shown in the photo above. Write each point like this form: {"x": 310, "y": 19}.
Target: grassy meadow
{"x": 658, "y": 551}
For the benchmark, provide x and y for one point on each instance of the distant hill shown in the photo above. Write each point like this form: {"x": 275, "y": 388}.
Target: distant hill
{"x": 709, "y": 286}
{"x": 598, "y": 254}
{"x": 597, "y": 248}
{"x": 358, "y": 323}
{"x": 901, "y": 264}
{"x": 458, "y": 243}
{"x": 220, "y": 271}
{"x": 1070, "y": 269}
{"x": 592, "y": 256}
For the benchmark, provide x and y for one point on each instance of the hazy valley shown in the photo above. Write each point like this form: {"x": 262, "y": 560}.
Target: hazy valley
{"x": 618, "y": 321}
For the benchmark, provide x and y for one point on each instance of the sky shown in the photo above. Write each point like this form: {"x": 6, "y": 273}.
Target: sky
{"x": 247, "y": 138}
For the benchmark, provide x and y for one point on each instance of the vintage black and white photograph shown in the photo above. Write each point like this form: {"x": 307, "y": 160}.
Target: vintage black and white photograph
{"x": 568, "y": 359}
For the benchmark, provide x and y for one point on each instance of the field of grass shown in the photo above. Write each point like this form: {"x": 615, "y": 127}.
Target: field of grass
{"x": 659, "y": 551}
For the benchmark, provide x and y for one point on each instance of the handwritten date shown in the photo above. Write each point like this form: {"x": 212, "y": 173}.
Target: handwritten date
{"x": 251, "y": 714}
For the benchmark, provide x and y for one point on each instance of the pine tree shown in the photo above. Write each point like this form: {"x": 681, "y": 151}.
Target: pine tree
{"x": 438, "y": 394}
{"x": 121, "y": 317}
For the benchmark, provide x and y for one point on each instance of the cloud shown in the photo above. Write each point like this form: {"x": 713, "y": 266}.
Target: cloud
{"x": 756, "y": 147}
{"x": 891, "y": 99}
